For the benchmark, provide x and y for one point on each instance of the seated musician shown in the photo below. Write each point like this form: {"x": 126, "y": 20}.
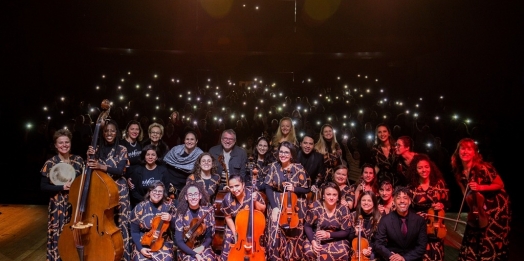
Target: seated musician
{"x": 367, "y": 208}
{"x": 194, "y": 224}
{"x": 205, "y": 173}
{"x": 239, "y": 198}
{"x": 327, "y": 227}
{"x": 155, "y": 203}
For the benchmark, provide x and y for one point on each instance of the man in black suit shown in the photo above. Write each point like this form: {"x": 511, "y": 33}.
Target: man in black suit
{"x": 312, "y": 161}
{"x": 401, "y": 234}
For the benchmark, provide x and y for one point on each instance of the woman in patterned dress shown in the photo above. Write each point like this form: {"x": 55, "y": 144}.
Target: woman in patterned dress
{"x": 385, "y": 201}
{"x": 59, "y": 206}
{"x": 111, "y": 158}
{"x": 156, "y": 203}
{"x": 368, "y": 182}
{"x": 383, "y": 156}
{"x": 471, "y": 172}
{"x": 285, "y": 243}
{"x": 404, "y": 152}
{"x": 205, "y": 173}
{"x": 429, "y": 191}
{"x": 238, "y": 199}
{"x": 327, "y": 226}
{"x": 194, "y": 203}
{"x": 340, "y": 177}
{"x": 262, "y": 161}
{"x": 367, "y": 208}
{"x": 328, "y": 146}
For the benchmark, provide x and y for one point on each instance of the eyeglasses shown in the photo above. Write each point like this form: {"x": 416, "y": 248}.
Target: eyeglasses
{"x": 157, "y": 191}
{"x": 194, "y": 195}
{"x": 228, "y": 139}
{"x": 155, "y": 133}
{"x": 284, "y": 152}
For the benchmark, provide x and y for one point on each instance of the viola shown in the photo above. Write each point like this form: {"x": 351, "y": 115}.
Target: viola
{"x": 92, "y": 233}
{"x": 359, "y": 243}
{"x": 250, "y": 225}
{"x": 477, "y": 216}
{"x": 434, "y": 224}
{"x": 289, "y": 214}
{"x": 194, "y": 234}
{"x": 154, "y": 238}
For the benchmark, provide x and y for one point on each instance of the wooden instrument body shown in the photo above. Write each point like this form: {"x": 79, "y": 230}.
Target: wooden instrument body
{"x": 196, "y": 231}
{"x": 102, "y": 241}
{"x": 477, "y": 216}
{"x": 289, "y": 216}
{"x": 246, "y": 247}
{"x": 435, "y": 225}
{"x": 220, "y": 221}
{"x": 359, "y": 243}
{"x": 154, "y": 238}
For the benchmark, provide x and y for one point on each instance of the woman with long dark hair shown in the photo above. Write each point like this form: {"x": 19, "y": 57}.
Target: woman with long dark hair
{"x": 205, "y": 173}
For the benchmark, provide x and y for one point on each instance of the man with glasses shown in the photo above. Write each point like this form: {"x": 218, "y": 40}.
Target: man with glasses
{"x": 232, "y": 158}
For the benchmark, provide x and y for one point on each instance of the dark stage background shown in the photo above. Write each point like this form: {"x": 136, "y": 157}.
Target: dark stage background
{"x": 468, "y": 51}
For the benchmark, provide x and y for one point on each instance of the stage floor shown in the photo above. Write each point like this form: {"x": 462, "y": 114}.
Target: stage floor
{"x": 23, "y": 230}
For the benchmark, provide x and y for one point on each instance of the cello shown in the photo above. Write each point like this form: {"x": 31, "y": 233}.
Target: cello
{"x": 220, "y": 220}
{"x": 91, "y": 234}
{"x": 250, "y": 225}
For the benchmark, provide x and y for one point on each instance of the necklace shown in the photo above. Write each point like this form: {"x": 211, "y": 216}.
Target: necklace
{"x": 131, "y": 143}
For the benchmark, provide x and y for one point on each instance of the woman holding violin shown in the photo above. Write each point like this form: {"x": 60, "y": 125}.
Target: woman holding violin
{"x": 286, "y": 189}
{"x": 195, "y": 224}
{"x": 205, "y": 173}
{"x": 151, "y": 225}
{"x": 327, "y": 227}
{"x": 365, "y": 221}
{"x": 430, "y": 199}
{"x": 111, "y": 158}
{"x": 488, "y": 226}
{"x": 59, "y": 206}
{"x": 238, "y": 199}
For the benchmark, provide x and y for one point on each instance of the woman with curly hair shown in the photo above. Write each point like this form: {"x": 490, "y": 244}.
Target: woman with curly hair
{"x": 474, "y": 175}
{"x": 193, "y": 202}
{"x": 205, "y": 173}
{"x": 429, "y": 192}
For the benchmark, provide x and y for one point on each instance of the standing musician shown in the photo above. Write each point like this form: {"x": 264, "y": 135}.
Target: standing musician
{"x": 367, "y": 209}
{"x": 110, "y": 157}
{"x": 313, "y": 162}
{"x": 156, "y": 204}
{"x": 385, "y": 192}
{"x": 368, "y": 182}
{"x": 238, "y": 199}
{"x": 235, "y": 158}
{"x": 430, "y": 196}
{"x": 59, "y": 206}
{"x": 285, "y": 175}
{"x": 327, "y": 226}
{"x": 328, "y": 146}
{"x": 205, "y": 173}
{"x": 484, "y": 188}
{"x": 195, "y": 224}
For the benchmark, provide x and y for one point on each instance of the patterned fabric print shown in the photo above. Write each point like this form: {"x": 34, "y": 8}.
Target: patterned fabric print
{"x": 183, "y": 222}
{"x": 59, "y": 207}
{"x": 142, "y": 216}
{"x": 385, "y": 165}
{"x": 331, "y": 249}
{"x": 262, "y": 173}
{"x": 331, "y": 160}
{"x": 210, "y": 185}
{"x": 490, "y": 243}
{"x": 348, "y": 194}
{"x": 123, "y": 210}
{"x": 422, "y": 201}
{"x": 286, "y": 243}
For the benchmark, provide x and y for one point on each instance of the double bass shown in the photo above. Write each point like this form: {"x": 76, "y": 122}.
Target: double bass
{"x": 91, "y": 234}
{"x": 250, "y": 225}
{"x": 220, "y": 219}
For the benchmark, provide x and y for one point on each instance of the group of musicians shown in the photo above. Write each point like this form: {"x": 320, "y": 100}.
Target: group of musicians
{"x": 291, "y": 202}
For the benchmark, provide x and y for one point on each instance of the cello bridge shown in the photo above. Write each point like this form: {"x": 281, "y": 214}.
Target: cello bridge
{"x": 81, "y": 225}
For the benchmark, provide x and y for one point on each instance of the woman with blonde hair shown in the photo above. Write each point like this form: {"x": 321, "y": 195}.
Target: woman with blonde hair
{"x": 285, "y": 132}
{"x": 328, "y": 146}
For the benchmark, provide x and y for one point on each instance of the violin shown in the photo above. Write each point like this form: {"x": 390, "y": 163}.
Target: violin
{"x": 434, "y": 224}
{"x": 92, "y": 233}
{"x": 359, "y": 243}
{"x": 154, "y": 238}
{"x": 250, "y": 225}
{"x": 288, "y": 214}
{"x": 194, "y": 234}
{"x": 477, "y": 216}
